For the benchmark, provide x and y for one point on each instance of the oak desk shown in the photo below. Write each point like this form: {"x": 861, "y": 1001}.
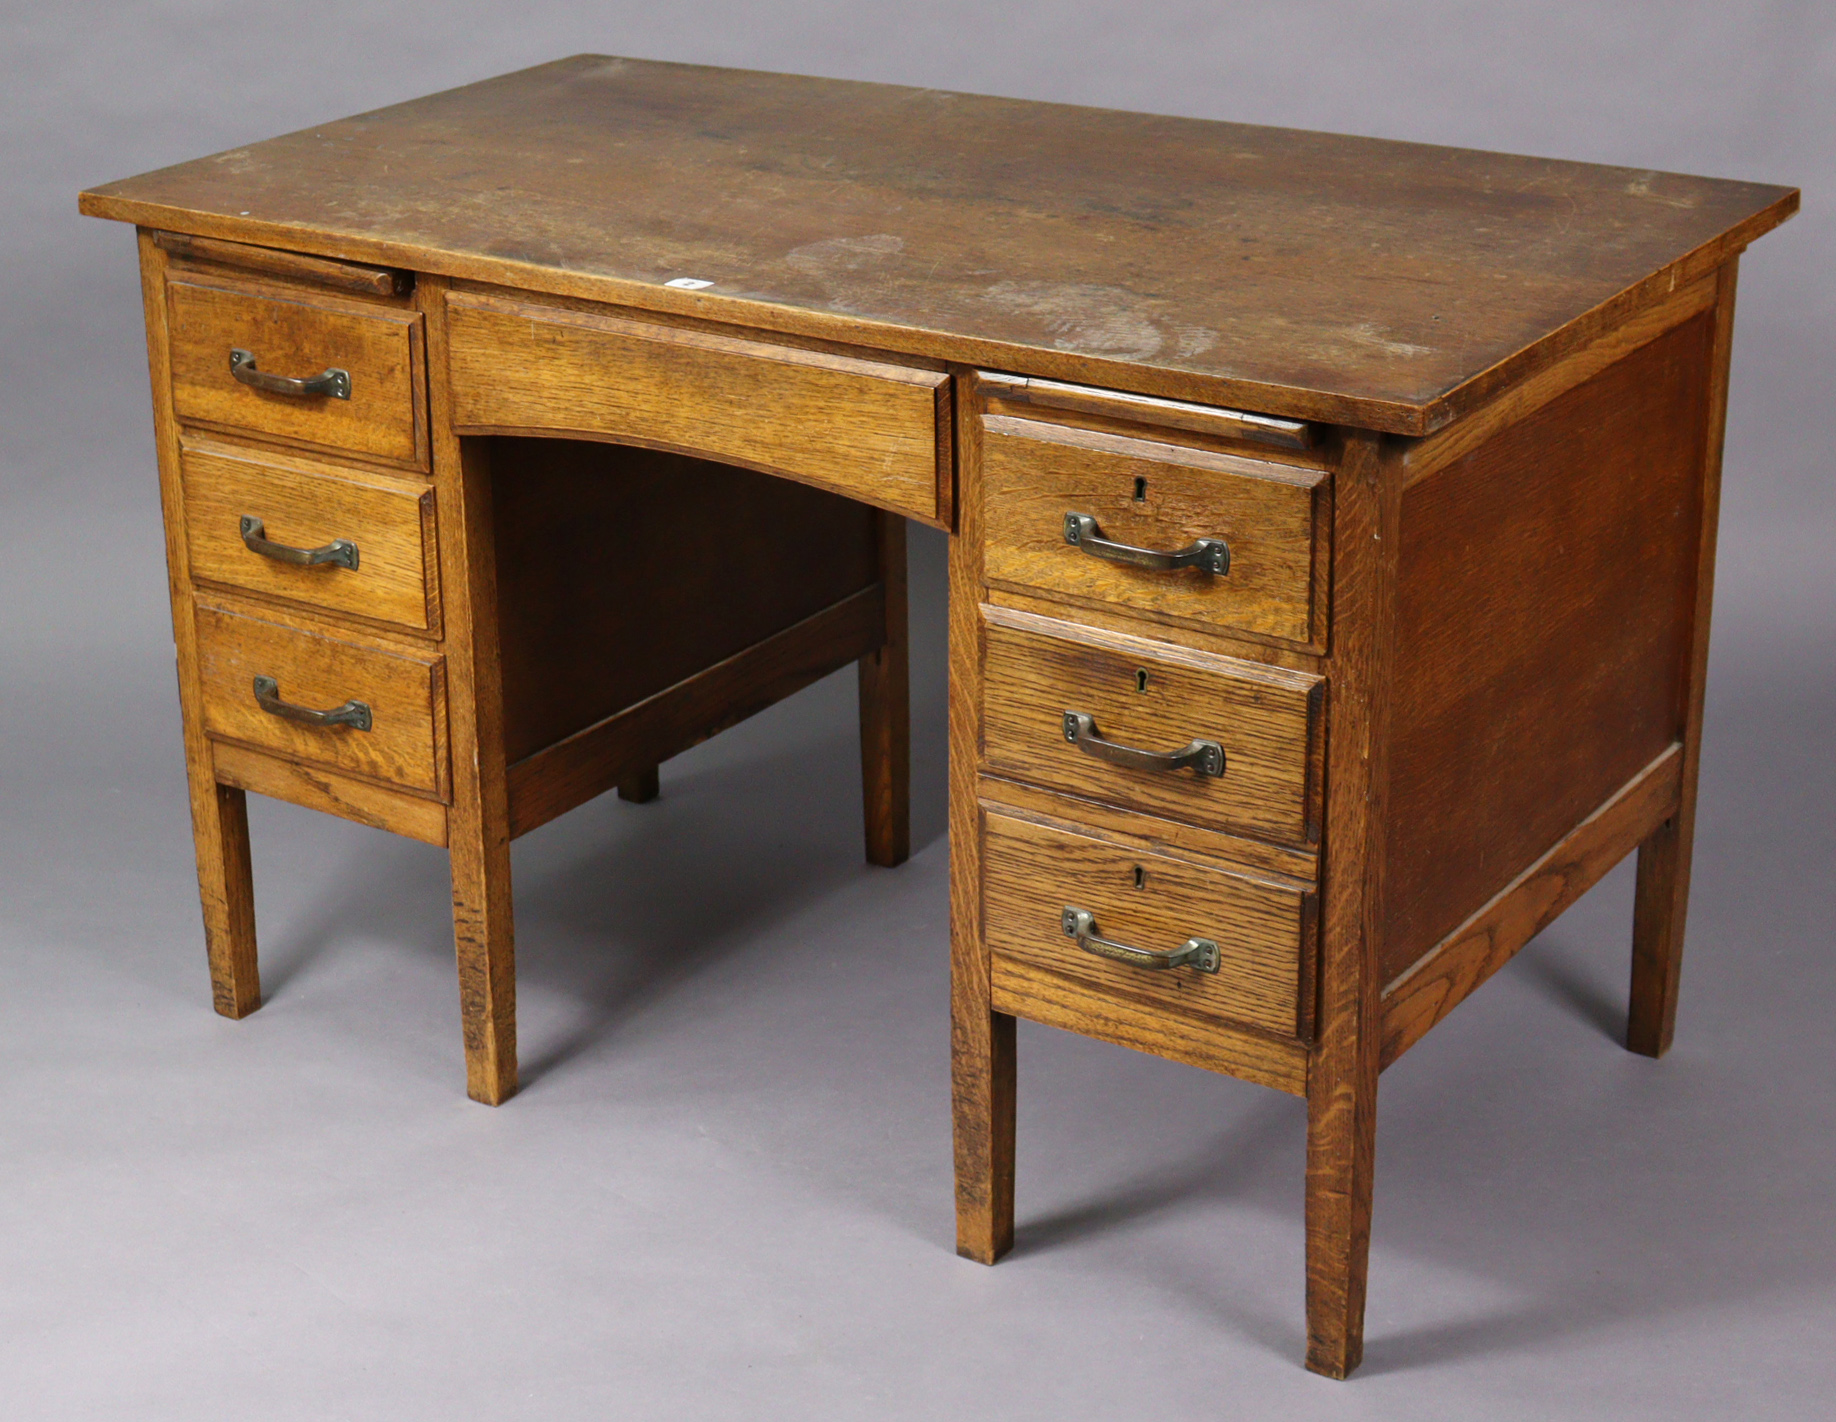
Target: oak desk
{"x": 1333, "y": 534}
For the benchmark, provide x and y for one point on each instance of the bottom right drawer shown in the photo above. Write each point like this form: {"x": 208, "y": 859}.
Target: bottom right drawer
{"x": 1111, "y": 915}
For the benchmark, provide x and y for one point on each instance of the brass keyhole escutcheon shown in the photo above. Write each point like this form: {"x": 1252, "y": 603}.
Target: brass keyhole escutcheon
{"x": 1141, "y": 491}
{"x": 1140, "y": 877}
{"x": 1141, "y": 681}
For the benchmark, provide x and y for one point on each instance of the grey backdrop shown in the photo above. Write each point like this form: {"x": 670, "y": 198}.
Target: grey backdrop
{"x": 724, "y": 1192}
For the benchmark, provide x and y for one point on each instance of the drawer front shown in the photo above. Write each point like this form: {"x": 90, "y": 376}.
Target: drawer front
{"x": 1264, "y": 931}
{"x": 869, "y": 429}
{"x": 1142, "y": 695}
{"x": 404, "y": 695}
{"x": 378, "y": 346}
{"x": 1160, "y": 497}
{"x": 382, "y": 526}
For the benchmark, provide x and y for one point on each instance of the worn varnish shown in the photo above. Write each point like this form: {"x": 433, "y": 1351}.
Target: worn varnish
{"x": 1173, "y": 256}
{"x": 1458, "y": 415}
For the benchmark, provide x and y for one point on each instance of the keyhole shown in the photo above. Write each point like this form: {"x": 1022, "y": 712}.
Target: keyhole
{"x": 1141, "y": 491}
{"x": 1141, "y": 681}
{"x": 1140, "y": 877}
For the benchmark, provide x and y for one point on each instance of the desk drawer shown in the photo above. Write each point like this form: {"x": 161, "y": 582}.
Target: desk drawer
{"x": 377, "y": 531}
{"x": 872, "y": 430}
{"x": 377, "y": 346}
{"x": 403, "y": 695}
{"x": 1161, "y": 497}
{"x": 1142, "y": 695}
{"x": 1263, "y": 931}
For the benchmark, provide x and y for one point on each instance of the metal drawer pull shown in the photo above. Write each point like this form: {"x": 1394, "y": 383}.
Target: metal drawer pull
{"x": 1200, "y": 953}
{"x": 340, "y": 552}
{"x": 1206, "y": 757}
{"x": 354, "y": 714}
{"x": 1209, "y": 555}
{"x": 332, "y": 381}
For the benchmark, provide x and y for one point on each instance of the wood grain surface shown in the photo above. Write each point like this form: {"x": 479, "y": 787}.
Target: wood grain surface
{"x": 593, "y": 760}
{"x": 1171, "y": 256}
{"x": 1154, "y": 696}
{"x": 885, "y": 708}
{"x": 869, "y": 429}
{"x": 306, "y": 504}
{"x": 1546, "y": 602}
{"x": 1446, "y": 976}
{"x": 982, "y": 1038}
{"x": 1026, "y": 989}
{"x": 1031, "y": 872}
{"x": 219, "y": 813}
{"x": 1343, "y": 1068}
{"x": 295, "y": 266}
{"x": 623, "y": 571}
{"x": 478, "y": 824}
{"x": 377, "y": 344}
{"x": 317, "y": 788}
{"x": 1661, "y": 900}
{"x": 1160, "y": 496}
{"x": 401, "y": 748}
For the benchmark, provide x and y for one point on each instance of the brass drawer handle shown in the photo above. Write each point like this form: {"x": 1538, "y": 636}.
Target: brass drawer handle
{"x": 354, "y": 714}
{"x": 339, "y": 553}
{"x": 332, "y": 381}
{"x": 1206, "y": 757}
{"x": 1209, "y": 555}
{"x": 1200, "y": 953}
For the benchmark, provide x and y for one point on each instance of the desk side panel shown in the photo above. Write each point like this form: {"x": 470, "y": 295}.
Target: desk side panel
{"x": 1546, "y": 600}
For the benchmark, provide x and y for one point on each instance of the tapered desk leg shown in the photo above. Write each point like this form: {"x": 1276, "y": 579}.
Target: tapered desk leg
{"x": 982, "y": 1101}
{"x": 478, "y": 820}
{"x": 484, "y": 940}
{"x": 886, "y": 723}
{"x": 219, "y": 813}
{"x": 226, "y": 886}
{"x": 1341, "y": 1140}
{"x": 1661, "y": 905}
{"x": 981, "y": 1039}
{"x": 1343, "y": 1065}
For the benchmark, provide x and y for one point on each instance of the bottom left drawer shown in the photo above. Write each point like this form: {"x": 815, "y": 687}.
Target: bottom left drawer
{"x": 353, "y": 707}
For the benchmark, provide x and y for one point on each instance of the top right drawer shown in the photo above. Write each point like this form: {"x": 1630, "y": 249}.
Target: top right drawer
{"x": 1166, "y": 531}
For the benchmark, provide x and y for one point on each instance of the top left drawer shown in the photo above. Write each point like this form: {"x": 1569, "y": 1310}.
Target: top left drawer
{"x": 374, "y": 410}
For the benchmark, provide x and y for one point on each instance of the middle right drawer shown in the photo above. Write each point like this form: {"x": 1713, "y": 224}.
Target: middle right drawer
{"x": 1164, "y": 730}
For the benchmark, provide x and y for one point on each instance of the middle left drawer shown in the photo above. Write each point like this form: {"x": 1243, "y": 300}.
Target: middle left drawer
{"x": 332, "y": 537}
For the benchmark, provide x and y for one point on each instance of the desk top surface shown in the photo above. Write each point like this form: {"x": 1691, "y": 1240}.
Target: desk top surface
{"x": 1382, "y": 284}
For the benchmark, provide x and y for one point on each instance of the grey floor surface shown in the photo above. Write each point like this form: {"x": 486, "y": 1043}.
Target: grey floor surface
{"x": 724, "y": 1191}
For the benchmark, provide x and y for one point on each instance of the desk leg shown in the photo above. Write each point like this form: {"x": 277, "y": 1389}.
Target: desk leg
{"x": 478, "y": 821}
{"x": 1343, "y": 1065}
{"x": 1661, "y": 903}
{"x": 478, "y": 826}
{"x": 219, "y": 813}
{"x": 886, "y": 723}
{"x": 641, "y": 786}
{"x": 226, "y": 886}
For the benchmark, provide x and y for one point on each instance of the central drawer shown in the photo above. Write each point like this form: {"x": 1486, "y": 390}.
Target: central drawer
{"x": 1263, "y": 931}
{"x": 1140, "y": 704}
{"x": 871, "y": 429}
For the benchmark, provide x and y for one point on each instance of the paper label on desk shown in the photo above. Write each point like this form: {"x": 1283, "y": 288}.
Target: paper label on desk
{"x": 688, "y": 283}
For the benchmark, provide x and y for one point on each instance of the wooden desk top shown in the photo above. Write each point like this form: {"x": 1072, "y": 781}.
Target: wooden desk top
{"x": 1387, "y": 285}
